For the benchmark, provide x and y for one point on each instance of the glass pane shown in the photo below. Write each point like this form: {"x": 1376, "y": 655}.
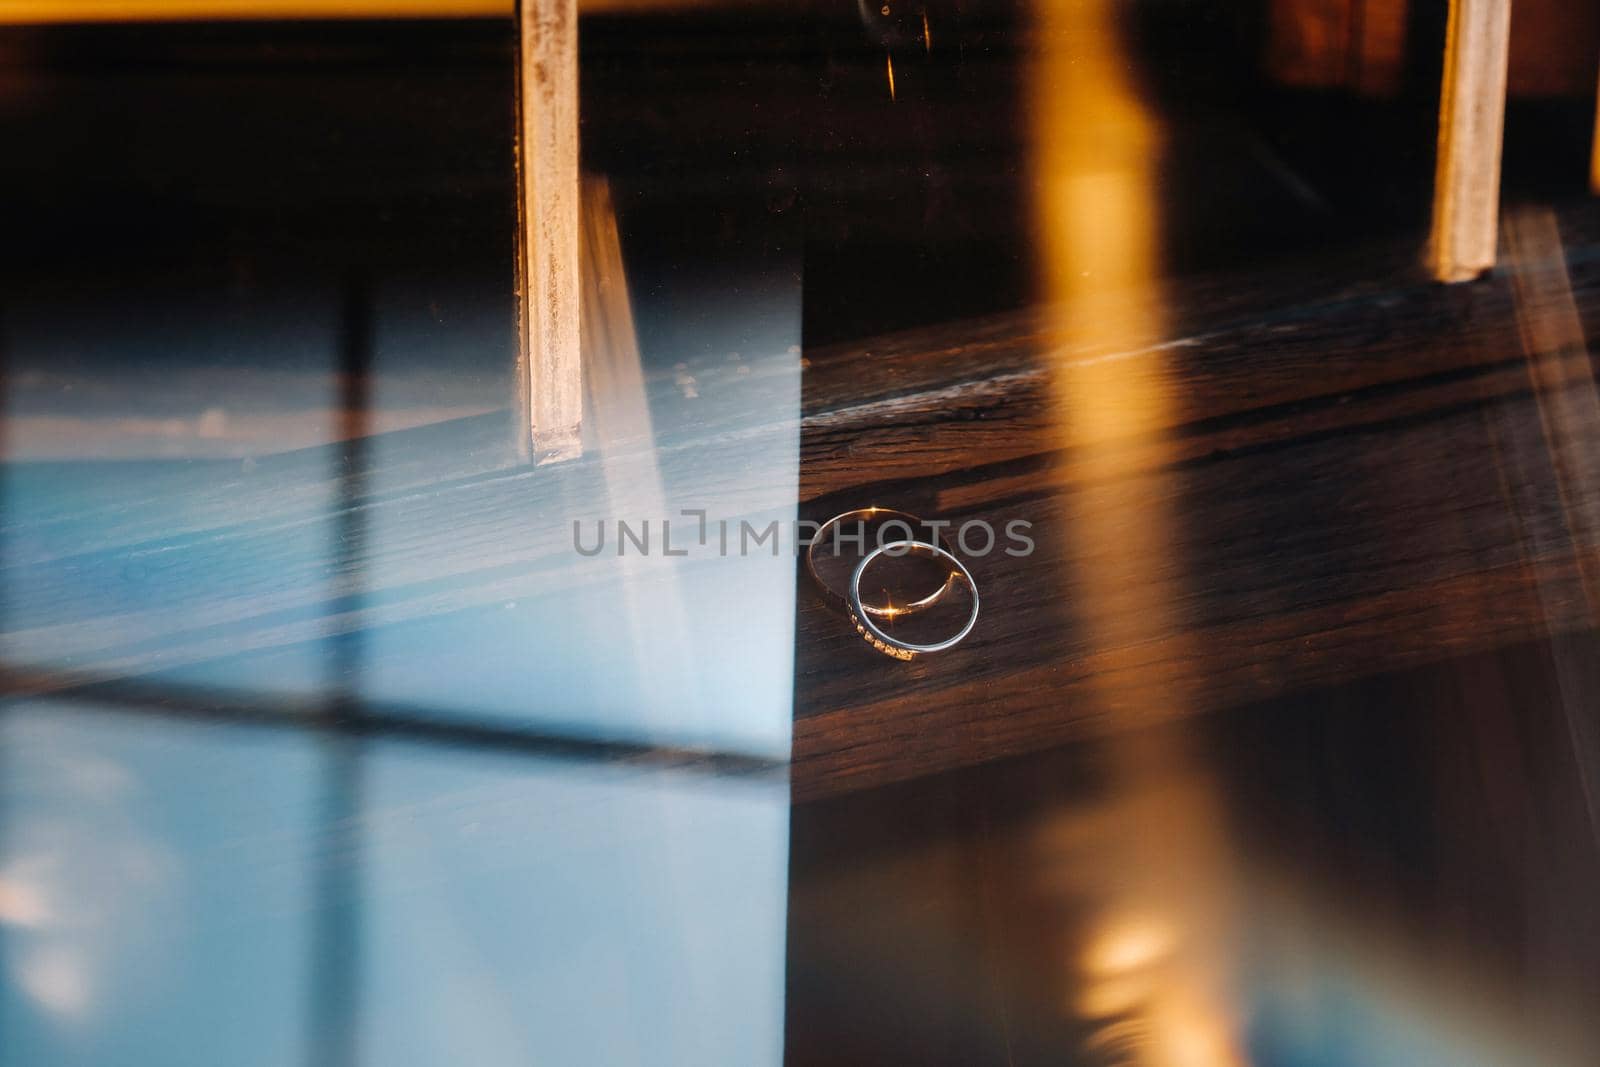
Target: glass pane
{"x": 152, "y": 874}
{"x": 522, "y": 910}
{"x": 415, "y": 414}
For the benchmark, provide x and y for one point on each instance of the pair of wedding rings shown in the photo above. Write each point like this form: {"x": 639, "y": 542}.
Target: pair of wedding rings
{"x": 868, "y": 618}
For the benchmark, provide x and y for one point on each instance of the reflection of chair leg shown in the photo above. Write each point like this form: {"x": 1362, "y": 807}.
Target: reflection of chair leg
{"x": 619, "y": 411}
{"x": 621, "y": 433}
{"x": 1466, "y": 193}
{"x": 550, "y": 369}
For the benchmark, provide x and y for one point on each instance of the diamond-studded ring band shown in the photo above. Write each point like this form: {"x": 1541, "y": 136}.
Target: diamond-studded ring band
{"x": 868, "y": 627}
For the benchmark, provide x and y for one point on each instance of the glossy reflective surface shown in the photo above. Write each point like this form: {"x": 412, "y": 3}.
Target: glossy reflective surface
{"x": 1394, "y": 872}
{"x": 407, "y": 906}
{"x": 335, "y": 733}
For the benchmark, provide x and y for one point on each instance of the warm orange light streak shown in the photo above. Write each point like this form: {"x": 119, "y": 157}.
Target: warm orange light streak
{"x": 1594, "y": 154}
{"x": 17, "y": 11}
{"x": 889, "y": 63}
{"x": 50, "y": 11}
{"x": 1095, "y": 148}
{"x": 1152, "y": 969}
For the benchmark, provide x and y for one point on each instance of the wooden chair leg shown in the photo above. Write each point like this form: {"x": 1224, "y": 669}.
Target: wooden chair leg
{"x": 1466, "y": 197}
{"x": 550, "y": 367}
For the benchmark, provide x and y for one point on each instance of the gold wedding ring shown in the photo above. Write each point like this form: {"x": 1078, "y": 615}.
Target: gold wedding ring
{"x": 884, "y": 517}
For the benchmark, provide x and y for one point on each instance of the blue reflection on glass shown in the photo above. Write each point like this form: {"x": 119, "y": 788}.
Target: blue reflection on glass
{"x": 632, "y": 643}
{"x": 154, "y": 890}
{"x": 160, "y": 902}
{"x": 533, "y": 912}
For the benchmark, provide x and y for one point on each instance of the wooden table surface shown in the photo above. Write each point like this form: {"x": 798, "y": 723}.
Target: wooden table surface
{"x": 1358, "y": 470}
{"x": 1362, "y": 471}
